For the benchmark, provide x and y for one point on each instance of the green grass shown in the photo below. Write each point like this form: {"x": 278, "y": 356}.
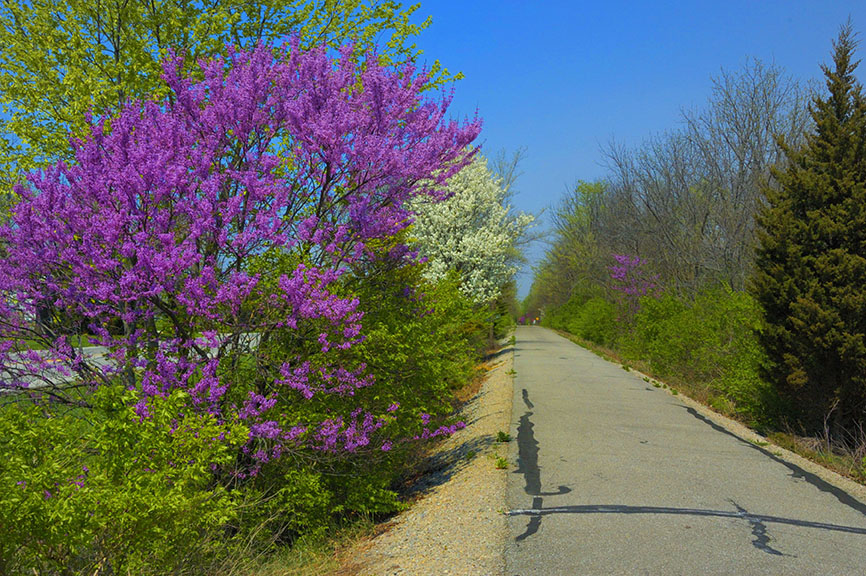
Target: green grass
{"x": 74, "y": 340}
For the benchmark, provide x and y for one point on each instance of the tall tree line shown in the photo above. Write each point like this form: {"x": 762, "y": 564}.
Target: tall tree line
{"x": 685, "y": 201}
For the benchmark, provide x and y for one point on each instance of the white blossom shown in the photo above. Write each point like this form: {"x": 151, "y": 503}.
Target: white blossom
{"x": 471, "y": 231}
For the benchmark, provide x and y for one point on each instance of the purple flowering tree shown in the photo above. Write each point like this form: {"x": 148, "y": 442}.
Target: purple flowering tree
{"x": 629, "y": 282}
{"x": 197, "y": 236}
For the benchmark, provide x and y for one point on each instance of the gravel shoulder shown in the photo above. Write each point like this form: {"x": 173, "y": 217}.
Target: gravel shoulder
{"x": 457, "y": 526}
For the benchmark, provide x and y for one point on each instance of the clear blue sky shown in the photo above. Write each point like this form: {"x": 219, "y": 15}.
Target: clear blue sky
{"x": 565, "y": 78}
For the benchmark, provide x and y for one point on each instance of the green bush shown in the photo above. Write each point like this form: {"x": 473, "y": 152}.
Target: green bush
{"x": 708, "y": 342}
{"x": 588, "y": 315}
{"x": 596, "y": 321}
{"x": 421, "y": 343}
{"x": 97, "y": 488}
{"x": 105, "y": 491}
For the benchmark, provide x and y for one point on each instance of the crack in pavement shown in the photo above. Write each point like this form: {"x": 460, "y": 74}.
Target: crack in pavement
{"x": 528, "y": 449}
{"x": 759, "y": 531}
{"x": 796, "y": 472}
{"x": 740, "y": 513}
{"x": 526, "y": 401}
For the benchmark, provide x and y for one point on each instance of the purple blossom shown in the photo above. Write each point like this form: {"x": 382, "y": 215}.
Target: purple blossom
{"x": 166, "y": 205}
{"x": 630, "y": 281}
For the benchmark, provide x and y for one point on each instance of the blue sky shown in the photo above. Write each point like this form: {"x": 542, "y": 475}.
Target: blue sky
{"x": 565, "y": 78}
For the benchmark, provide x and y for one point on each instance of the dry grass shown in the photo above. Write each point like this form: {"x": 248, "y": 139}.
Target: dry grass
{"x": 841, "y": 459}
{"x": 313, "y": 557}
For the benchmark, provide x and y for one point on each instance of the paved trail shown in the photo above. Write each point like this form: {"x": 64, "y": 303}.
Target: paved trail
{"x": 618, "y": 477}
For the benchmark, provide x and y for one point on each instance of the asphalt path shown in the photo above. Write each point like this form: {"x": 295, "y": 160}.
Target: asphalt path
{"x": 615, "y": 476}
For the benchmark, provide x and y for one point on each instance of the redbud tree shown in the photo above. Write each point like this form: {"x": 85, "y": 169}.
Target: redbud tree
{"x": 629, "y": 282}
{"x": 190, "y": 233}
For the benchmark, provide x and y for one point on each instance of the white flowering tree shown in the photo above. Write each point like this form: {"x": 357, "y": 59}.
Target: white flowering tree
{"x": 472, "y": 231}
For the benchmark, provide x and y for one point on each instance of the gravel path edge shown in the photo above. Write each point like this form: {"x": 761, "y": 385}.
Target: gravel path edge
{"x": 458, "y": 525}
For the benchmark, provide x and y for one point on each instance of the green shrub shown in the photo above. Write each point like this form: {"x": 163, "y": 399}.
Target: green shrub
{"x": 97, "y": 488}
{"x": 711, "y": 342}
{"x": 596, "y": 321}
{"x": 105, "y": 491}
{"x": 708, "y": 343}
{"x": 587, "y": 315}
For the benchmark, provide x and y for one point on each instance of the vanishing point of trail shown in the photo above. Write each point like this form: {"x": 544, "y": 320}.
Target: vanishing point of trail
{"x": 618, "y": 477}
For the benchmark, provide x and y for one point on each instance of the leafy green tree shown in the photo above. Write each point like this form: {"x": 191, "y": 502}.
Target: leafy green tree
{"x": 62, "y": 59}
{"x": 811, "y": 261}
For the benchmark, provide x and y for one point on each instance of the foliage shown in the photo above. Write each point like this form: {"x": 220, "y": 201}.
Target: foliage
{"x": 63, "y": 60}
{"x": 236, "y": 241}
{"x": 106, "y": 490}
{"x": 629, "y": 282}
{"x": 421, "y": 343}
{"x": 237, "y": 250}
{"x": 711, "y": 341}
{"x": 685, "y": 201}
{"x": 574, "y": 259}
{"x": 812, "y": 259}
{"x": 471, "y": 231}
{"x": 168, "y": 215}
{"x": 591, "y": 317}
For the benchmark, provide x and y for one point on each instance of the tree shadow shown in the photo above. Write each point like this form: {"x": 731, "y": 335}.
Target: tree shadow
{"x": 439, "y": 468}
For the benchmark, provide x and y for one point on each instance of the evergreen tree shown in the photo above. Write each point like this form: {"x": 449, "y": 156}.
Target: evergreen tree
{"x": 811, "y": 259}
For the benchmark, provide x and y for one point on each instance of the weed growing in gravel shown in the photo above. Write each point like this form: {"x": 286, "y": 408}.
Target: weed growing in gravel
{"x": 503, "y": 436}
{"x": 501, "y": 462}
{"x": 470, "y": 455}
{"x": 512, "y": 372}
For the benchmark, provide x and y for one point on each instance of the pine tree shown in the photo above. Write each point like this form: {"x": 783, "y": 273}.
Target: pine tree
{"x": 811, "y": 260}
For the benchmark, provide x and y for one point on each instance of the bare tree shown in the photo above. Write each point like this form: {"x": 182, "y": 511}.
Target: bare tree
{"x": 687, "y": 200}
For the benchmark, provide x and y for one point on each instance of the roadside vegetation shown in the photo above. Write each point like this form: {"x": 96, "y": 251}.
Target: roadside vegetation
{"x": 232, "y": 222}
{"x": 727, "y": 258}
